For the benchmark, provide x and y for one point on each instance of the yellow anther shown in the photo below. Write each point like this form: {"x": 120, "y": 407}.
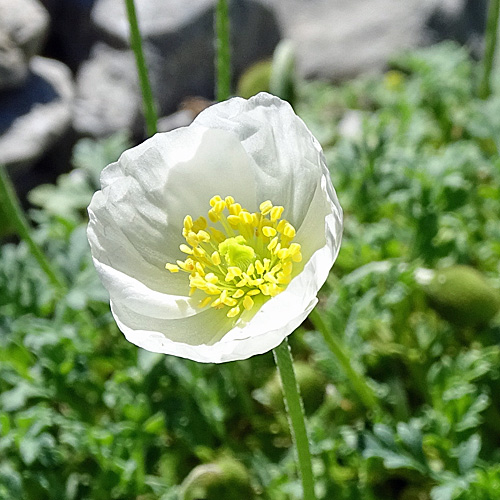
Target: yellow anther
{"x": 269, "y": 231}
{"x": 294, "y": 248}
{"x": 229, "y": 301}
{"x": 191, "y": 239}
{"x": 246, "y": 217}
{"x": 233, "y": 220}
{"x": 276, "y": 212}
{"x": 172, "y": 268}
{"x": 185, "y": 249}
{"x": 214, "y": 200}
{"x": 259, "y": 267}
{"x": 205, "y": 301}
{"x": 287, "y": 268}
{"x": 188, "y": 222}
{"x": 283, "y": 279}
{"x": 199, "y": 268}
{"x": 281, "y": 225}
{"x": 272, "y": 244}
{"x": 188, "y": 265}
{"x": 199, "y": 223}
{"x": 219, "y": 207}
{"x": 283, "y": 253}
{"x": 203, "y": 236}
{"x": 198, "y": 252}
{"x": 269, "y": 277}
{"x": 213, "y": 215}
{"x": 250, "y": 254}
{"x": 248, "y": 303}
{"x": 233, "y": 312}
{"x": 289, "y": 231}
{"x": 265, "y": 207}
{"x": 215, "y": 258}
{"x": 234, "y": 209}
{"x": 217, "y": 235}
{"x": 211, "y": 278}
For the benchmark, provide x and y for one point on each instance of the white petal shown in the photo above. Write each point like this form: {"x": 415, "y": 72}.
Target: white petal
{"x": 141, "y": 299}
{"x": 288, "y": 157}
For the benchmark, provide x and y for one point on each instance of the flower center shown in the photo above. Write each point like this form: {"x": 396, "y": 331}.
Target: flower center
{"x": 240, "y": 258}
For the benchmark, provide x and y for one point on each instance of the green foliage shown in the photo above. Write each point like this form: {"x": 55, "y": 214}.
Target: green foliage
{"x": 86, "y": 415}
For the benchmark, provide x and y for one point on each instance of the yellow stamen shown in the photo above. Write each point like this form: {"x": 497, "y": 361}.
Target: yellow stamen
{"x": 237, "y": 255}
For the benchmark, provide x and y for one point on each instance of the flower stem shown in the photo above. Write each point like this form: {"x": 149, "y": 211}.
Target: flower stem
{"x": 14, "y": 213}
{"x": 293, "y": 403}
{"x": 223, "y": 51}
{"x": 358, "y": 382}
{"x": 142, "y": 71}
{"x": 490, "y": 45}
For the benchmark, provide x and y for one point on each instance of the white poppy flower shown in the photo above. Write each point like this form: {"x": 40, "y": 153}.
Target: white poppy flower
{"x": 214, "y": 239}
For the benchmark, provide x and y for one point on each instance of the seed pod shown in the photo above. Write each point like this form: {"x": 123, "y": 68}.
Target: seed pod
{"x": 225, "y": 478}
{"x": 463, "y": 296}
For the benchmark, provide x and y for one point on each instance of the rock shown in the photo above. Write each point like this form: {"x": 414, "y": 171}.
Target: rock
{"x": 34, "y": 116}
{"x": 179, "y": 42}
{"x": 23, "y": 28}
{"x": 339, "y": 39}
{"x": 26, "y": 22}
{"x": 13, "y": 66}
{"x": 108, "y": 98}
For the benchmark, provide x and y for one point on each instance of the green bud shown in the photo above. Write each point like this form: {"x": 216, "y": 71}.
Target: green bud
{"x": 463, "y": 296}
{"x": 255, "y": 79}
{"x": 225, "y": 479}
{"x": 312, "y": 386}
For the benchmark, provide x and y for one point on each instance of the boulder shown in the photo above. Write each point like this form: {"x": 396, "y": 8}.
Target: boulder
{"x": 26, "y": 22}
{"x": 339, "y": 39}
{"x": 34, "y": 116}
{"x": 23, "y": 29}
{"x": 107, "y": 98}
{"x": 179, "y": 44}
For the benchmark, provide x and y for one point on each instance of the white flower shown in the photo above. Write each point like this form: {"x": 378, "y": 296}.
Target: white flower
{"x": 214, "y": 239}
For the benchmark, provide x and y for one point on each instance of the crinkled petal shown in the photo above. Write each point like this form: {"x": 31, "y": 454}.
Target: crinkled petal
{"x": 287, "y": 156}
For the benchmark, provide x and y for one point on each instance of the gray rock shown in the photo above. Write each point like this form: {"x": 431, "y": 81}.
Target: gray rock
{"x": 107, "y": 94}
{"x": 26, "y": 22}
{"x": 13, "y": 66}
{"x": 34, "y": 116}
{"x": 23, "y": 28}
{"x": 179, "y": 41}
{"x": 339, "y": 39}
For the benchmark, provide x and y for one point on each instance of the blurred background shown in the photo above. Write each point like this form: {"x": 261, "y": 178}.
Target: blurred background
{"x": 66, "y": 69}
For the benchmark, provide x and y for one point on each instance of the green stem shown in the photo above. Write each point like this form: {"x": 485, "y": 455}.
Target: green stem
{"x": 14, "y": 213}
{"x": 358, "y": 382}
{"x": 293, "y": 403}
{"x": 223, "y": 51}
{"x": 142, "y": 70}
{"x": 490, "y": 46}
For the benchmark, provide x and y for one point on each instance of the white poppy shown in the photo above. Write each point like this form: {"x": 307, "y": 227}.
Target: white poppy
{"x": 214, "y": 239}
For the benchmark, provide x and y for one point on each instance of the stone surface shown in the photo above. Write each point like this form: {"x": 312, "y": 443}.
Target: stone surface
{"x": 26, "y": 22}
{"x": 179, "y": 41}
{"x": 107, "y": 94}
{"x": 13, "y": 65}
{"x": 23, "y": 28}
{"x": 339, "y": 39}
{"x": 34, "y": 116}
